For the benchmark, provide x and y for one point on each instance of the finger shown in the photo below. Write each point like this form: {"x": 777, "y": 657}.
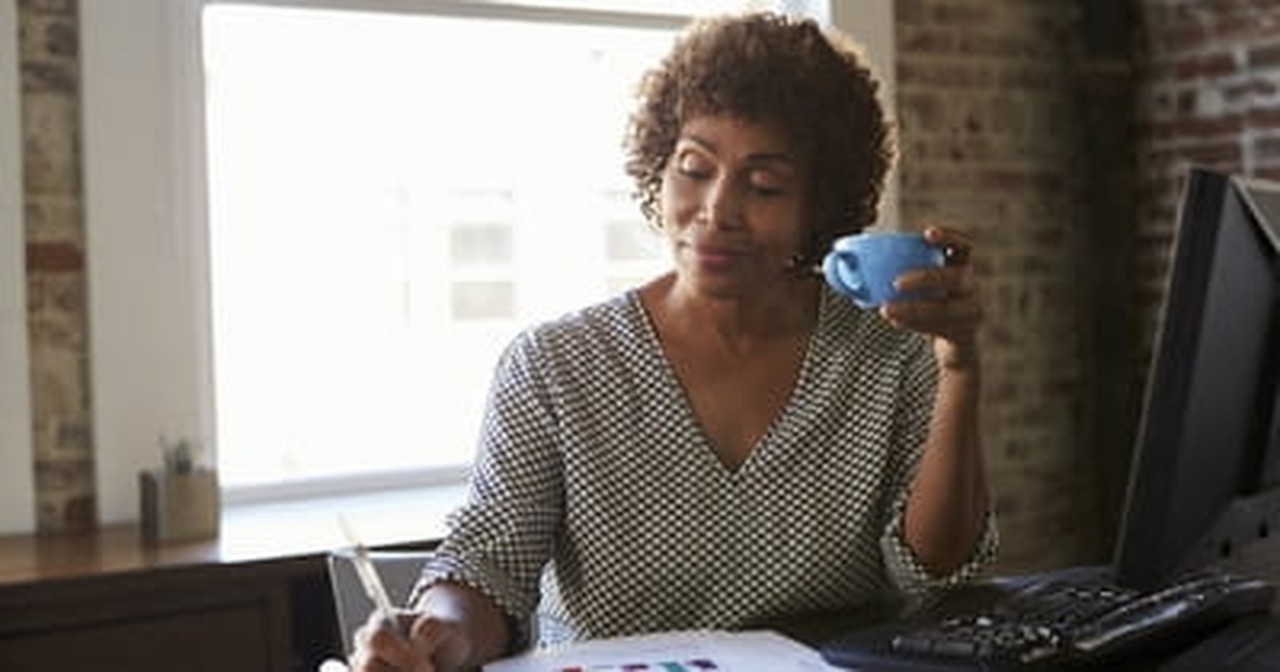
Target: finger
{"x": 945, "y": 235}
{"x": 944, "y": 281}
{"x": 394, "y": 643}
{"x": 441, "y": 643}
{"x": 954, "y": 320}
{"x": 959, "y": 308}
{"x": 425, "y": 637}
{"x": 955, "y": 243}
{"x": 382, "y": 647}
{"x": 363, "y": 659}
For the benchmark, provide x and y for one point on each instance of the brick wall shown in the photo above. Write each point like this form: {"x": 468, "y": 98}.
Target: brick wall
{"x": 1059, "y": 134}
{"x": 55, "y": 266}
{"x": 1209, "y": 95}
{"x": 992, "y": 143}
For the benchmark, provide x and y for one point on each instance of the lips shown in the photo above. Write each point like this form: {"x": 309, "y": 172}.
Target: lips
{"x": 718, "y": 251}
{"x": 715, "y": 256}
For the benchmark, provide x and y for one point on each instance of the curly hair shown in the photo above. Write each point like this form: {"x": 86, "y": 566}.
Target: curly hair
{"x": 780, "y": 70}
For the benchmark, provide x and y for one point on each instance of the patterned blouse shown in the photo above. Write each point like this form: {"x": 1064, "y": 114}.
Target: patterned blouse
{"x": 596, "y": 500}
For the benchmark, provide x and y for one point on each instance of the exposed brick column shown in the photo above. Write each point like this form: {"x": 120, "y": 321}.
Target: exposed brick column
{"x": 992, "y": 143}
{"x": 55, "y": 266}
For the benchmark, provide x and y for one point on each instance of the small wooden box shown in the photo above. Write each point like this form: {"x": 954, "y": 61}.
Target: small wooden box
{"x": 179, "y": 506}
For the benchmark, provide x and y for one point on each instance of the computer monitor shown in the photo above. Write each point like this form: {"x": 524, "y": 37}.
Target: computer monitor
{"x": 1204, "y": 488}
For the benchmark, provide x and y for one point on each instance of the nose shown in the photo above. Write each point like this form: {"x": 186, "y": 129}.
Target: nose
{"x": 722, "y": 205}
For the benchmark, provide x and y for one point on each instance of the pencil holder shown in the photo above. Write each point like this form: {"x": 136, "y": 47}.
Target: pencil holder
{"x": 179, "y": 506}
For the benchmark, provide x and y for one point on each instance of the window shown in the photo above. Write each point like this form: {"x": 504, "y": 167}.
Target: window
{"x": 154, "y": 176}
{"x": 391, "y": 198}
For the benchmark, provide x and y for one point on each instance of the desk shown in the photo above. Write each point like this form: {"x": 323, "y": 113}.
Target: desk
{"x": 256, "y": 599}
{"x": 74, "y": 603}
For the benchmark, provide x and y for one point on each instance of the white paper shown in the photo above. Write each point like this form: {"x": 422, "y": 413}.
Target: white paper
{"x": 683, "y": 651}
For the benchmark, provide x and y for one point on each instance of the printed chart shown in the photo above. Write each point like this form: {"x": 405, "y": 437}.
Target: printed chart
{"x": 683, "y": 651}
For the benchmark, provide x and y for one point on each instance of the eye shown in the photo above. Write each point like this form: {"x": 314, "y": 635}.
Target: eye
{"x": 766, "y": 183}
{"x": 690, "y": 164}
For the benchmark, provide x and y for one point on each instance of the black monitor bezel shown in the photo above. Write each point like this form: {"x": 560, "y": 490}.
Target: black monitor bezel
{"x": 1185, "y": 508}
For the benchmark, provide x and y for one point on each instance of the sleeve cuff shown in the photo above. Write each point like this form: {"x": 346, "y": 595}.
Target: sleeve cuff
{"x": 452, "y": 569}
{"x": 911, "y": 576}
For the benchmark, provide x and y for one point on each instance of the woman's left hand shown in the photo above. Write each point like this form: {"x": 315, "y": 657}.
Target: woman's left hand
{"x": 953, "y": 317}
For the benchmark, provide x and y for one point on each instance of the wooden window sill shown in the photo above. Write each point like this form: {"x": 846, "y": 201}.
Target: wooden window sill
{"x": 282, "y": 532}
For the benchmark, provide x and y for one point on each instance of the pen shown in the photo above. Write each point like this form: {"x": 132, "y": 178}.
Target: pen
{"x": 370, "y": 580}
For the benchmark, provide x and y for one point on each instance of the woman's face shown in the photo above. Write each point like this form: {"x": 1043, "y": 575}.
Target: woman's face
{"x": 734, "y": 205}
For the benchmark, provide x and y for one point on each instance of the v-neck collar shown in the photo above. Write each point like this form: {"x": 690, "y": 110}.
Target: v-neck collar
{"x": 680, "y": 407}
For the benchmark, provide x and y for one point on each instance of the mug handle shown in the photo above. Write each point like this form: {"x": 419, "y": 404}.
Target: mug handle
{"x": 841, "y": 271}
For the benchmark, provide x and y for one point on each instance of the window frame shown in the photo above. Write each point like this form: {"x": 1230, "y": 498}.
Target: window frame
{"x": 145, "y": 211}
{"x": 17, "y": 494}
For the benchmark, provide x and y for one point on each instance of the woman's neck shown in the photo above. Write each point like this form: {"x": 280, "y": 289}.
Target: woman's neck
{"x": 784, "y": 311}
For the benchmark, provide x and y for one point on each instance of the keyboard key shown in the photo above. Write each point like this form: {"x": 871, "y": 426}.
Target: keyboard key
{"x": 954, "y": 648}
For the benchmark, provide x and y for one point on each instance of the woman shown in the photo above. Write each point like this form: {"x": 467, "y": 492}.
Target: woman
{"x": 732, "y": 441}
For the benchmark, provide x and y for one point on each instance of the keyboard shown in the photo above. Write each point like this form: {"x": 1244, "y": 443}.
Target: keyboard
{"x": 1054, "y": 621}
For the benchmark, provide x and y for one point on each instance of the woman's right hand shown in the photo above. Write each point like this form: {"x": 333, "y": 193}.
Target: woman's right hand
{"x": 432, "y": 645}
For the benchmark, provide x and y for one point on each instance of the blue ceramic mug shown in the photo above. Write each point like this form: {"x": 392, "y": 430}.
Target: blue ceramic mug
{"x": 863, "y": 266}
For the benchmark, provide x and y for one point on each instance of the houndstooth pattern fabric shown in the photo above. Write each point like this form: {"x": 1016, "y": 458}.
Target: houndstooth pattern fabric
{"x": 597, "y": 501}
